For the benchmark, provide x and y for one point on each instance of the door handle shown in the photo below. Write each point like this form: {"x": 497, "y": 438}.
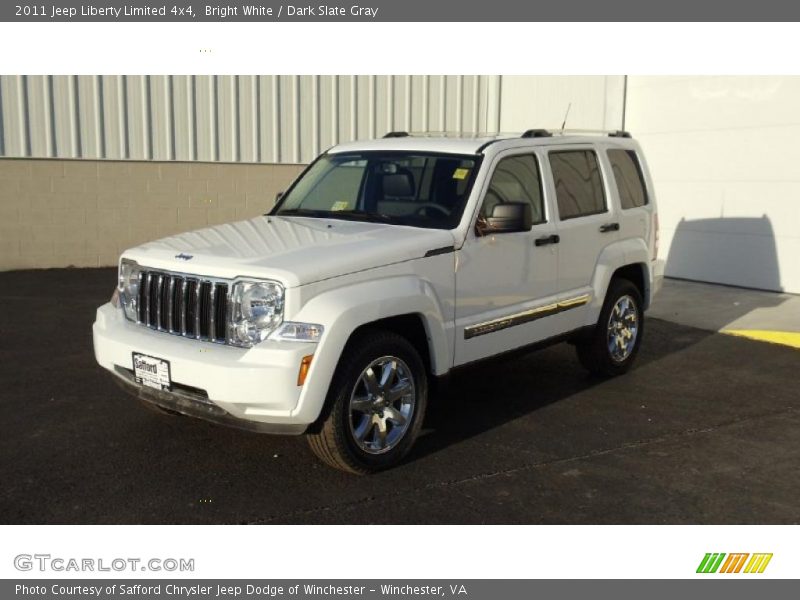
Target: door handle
{"x": 609, "y": 227}
{"x": 548, "y": 239}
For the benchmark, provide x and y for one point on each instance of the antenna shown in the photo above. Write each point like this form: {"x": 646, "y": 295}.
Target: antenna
{"x": 564, "y": 124}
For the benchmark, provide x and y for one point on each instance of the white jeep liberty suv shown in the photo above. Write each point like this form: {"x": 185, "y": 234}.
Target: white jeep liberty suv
{"x": 385, "y": 266}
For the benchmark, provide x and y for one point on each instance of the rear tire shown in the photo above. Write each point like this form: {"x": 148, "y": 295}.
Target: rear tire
{"x": 375, "y": 405}
{"x": 613, "y": 344}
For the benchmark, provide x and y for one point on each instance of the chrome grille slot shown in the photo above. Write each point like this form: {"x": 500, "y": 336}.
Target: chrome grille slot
{"x": 153, "y": 304}
{"x": 163, "y": 303}
{"x": 191, "y": 307}
{"x": 221, "y": 318}
{"x": 142, "y": 299}
{"x": 205, "y": 309}
{"x": 174, "y": 304}
{"x": 183, "y": 305}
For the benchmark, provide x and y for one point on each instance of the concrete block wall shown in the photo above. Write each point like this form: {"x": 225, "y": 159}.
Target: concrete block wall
{"x": 84, "y": 213}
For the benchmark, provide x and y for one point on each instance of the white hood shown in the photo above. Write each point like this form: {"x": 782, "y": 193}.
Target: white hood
{"x": 292, "y": 250}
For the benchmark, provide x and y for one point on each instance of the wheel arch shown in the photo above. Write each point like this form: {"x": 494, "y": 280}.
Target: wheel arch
{"x": 411, "y": 326}
{"x": 636, "y": 274}
{"x": 405, "y": 305}
{"x": 628, "y": 259}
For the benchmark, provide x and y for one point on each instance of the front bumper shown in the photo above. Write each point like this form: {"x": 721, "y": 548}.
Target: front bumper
{"x": 197, "y": 405}
{"x": 254, "y": 389}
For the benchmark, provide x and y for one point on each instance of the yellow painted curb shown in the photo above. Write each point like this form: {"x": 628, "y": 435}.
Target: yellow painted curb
{"x": 785, "y": 338}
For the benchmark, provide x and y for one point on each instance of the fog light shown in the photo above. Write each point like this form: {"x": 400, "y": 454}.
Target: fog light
{"x": 305, "y": 365}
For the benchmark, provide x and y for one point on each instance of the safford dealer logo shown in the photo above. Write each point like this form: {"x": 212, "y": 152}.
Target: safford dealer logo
{"x": 183, "y": 256}
{"x": 719, "y": 562}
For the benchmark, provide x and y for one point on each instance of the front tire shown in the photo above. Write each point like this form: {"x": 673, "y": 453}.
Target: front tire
{"x": 375, "y": 405}
{"x": 612, "y": 346}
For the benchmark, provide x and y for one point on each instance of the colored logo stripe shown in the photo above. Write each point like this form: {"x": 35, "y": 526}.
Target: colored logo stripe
{"x": 710, "y": 562}
{"x": 733, "y": 564}
{"x": 758, "y": 563}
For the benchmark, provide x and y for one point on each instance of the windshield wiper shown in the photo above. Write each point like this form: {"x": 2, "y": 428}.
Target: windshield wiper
{"x": 364, "y": 216}
{"x": 346, "y": 215}
{"x": 302, "y": 212}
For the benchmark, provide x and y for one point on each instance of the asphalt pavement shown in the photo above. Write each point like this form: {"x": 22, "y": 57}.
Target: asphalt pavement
{"x": 704, "y": 429}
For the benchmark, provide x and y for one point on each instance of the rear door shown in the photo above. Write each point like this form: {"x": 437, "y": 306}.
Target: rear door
{"x": 588, "y": 221}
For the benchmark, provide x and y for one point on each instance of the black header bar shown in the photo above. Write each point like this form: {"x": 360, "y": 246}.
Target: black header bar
{"x": 407, "y": 11}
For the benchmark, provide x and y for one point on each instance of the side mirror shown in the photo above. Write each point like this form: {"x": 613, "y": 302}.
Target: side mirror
{"x": 508, "y": 217}
{"x": 278, "y": 197}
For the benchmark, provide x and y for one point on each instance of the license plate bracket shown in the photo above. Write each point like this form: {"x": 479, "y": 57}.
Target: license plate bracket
{"x": 151, "y": 371}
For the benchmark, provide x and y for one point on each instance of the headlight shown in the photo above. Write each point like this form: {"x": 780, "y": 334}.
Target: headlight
{"x": 257, "y": 309}
{"x": 128, "y": 287}
{"x": 298, "y": 332}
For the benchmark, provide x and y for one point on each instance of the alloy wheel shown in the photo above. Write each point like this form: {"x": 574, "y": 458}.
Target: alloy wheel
{"x": 382, "y": 405}
{"x": 623, "y": 327}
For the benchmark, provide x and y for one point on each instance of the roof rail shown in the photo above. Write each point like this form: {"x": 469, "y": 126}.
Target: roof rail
{"x": 536, "y": 133}
{"x": 620, "y": 133}
{"x": 530, "y": 133}
{"x": 449, "y": 134}
{"x": 608, "y": 132}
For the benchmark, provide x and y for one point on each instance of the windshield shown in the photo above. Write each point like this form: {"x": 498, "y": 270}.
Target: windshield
{"x": 417, "y": 189}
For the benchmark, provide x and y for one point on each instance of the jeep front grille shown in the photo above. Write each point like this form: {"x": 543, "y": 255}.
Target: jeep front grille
{"x": 183, "y": 305}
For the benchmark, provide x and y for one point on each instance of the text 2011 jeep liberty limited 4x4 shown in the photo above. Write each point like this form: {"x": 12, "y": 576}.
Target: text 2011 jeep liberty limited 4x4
{"x": 387, "y": 264}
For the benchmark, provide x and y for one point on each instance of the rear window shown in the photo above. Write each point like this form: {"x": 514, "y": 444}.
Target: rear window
{"x": 579, "y": 184}
{"x": 628, "y": 175}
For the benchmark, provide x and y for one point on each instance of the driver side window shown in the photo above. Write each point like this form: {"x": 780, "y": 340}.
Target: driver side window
{"x": 516, "y": 179}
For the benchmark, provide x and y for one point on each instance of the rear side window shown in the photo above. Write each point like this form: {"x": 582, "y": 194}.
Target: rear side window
{"x": 628, "y": 175}
{"x": 579, "y": 184}
{"x": 515, "y": 179}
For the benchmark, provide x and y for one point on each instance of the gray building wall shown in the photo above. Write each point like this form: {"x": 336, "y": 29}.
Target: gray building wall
{"x": 230, "y": 118}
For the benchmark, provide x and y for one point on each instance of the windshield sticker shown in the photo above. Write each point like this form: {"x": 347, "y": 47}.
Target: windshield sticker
{"x": 341, "y": 205}
{"x": 460, "y": 174}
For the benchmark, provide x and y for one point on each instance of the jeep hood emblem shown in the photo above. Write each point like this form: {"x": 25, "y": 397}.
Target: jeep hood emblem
{"x": 183, "y": 256}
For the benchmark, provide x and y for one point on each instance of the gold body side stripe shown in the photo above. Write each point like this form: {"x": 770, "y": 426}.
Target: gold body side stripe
{"x": 525, "y": 317}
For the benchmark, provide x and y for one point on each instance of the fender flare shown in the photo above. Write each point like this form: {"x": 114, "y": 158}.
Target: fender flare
{"x": 343, "y": 310}
{"x": 614, "y": 256}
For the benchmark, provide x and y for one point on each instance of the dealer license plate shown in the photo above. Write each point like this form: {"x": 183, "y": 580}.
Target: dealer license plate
{"x": 152, "y": 372}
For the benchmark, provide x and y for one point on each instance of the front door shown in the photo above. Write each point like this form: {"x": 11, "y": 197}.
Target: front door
{"x": 504, "y": 280}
